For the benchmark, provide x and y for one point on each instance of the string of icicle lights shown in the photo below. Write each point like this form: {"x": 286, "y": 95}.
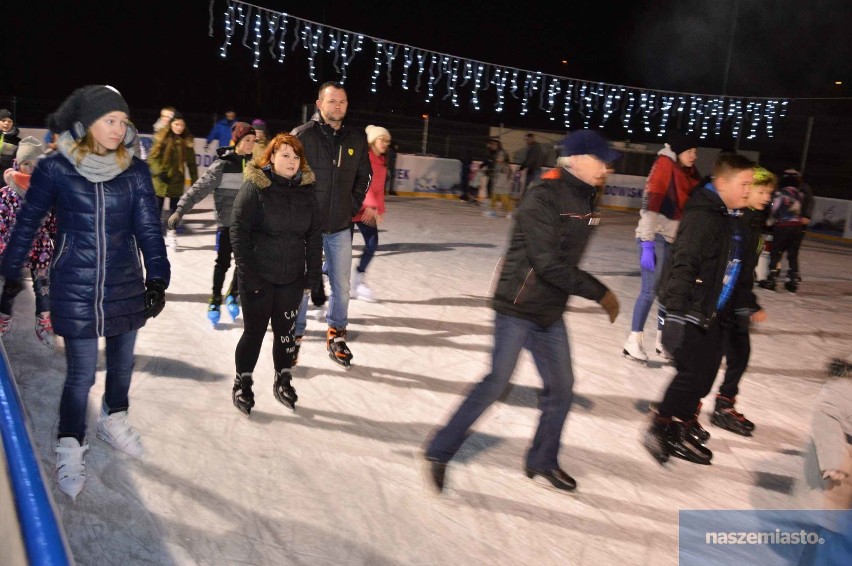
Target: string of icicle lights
{"x": 433, "y": 74}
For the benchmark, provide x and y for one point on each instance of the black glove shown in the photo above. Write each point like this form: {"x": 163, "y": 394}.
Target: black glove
{"x": 163, "y": 176}
{"x": 12, "y": 287}
{"x": 318, "y": 293}
{"x": 174, "y": 220}
{"x": 674, "y": 330}
{"x": 155, "y": 297}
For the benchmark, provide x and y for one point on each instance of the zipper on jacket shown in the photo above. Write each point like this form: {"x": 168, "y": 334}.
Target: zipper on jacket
{"x": 521, "y": 290}
{"x": 100, "y": 249}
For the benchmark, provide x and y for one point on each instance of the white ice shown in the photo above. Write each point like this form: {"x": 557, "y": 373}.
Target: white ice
{"x": 337, "y": 481}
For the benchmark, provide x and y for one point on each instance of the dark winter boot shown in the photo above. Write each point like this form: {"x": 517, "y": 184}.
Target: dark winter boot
{"x": 792, "y": 284}
{"x": 725, "y": 416}
{"x": 769, "y": 282}
{"x": 241, "y": 394}
{"x": 283, "y": 390}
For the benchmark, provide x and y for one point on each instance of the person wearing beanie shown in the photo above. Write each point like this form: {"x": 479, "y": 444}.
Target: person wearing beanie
{"x": 11, "y": 198}
{"x": 538, "y": 273}
{"x": 172, "y": 155}
{"x": 261, "y": 132}
{"x": 670, "y": 182}
{"x": 221, "y": 131}
{"x": 339, "y": 156}
{"x": 223, "y": 178}
{"x": 372, "y": 211}
{"x": 110, "y": 271}
{"x": 9, "y": 139}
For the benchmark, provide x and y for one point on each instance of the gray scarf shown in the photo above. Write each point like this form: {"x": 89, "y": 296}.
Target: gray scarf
{"x": 95, "y": 168}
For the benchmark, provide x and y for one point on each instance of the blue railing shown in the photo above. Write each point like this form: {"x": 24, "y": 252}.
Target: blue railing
{"x": 41, "y": 532}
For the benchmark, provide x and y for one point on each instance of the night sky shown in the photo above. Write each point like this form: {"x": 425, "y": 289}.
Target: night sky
{"x": 160, "y": 53}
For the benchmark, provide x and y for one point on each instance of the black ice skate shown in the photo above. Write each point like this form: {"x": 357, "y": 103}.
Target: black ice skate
{"x": 654, "y": 440}
{"x": 336, "y": 343}
{"x": 242, "y": 395}
{"x": 683, "y": 443}
{"x": 769, "y": 282}
{"x": 283, "y": 390}
{"x": 725, "y": 416}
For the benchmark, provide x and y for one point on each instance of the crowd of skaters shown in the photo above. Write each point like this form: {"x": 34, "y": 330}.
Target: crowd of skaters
{"x": 287, "y": 208}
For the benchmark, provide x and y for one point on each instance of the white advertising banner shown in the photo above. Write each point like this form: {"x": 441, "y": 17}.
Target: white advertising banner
{"x": 432, "y": 176}
{"x": 624, "y": 192}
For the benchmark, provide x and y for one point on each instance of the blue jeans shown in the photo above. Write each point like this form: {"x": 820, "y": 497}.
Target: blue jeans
{"x": 552, "y": 356}
{"x": 81, "y": 356}
{"x": 337, "y": 248}
{"x": 371, "y": 242}
{"x": 650, "y": 280}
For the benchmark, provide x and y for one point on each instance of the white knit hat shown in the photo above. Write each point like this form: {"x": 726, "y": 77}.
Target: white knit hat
{"x": 29, "y": 149}
{"x": 374, "y": 132}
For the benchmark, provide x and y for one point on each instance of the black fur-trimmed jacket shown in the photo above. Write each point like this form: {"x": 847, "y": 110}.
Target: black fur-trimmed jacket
{"x": 275, "y": 230}
{"x": 693, "y": 277}
{"x": 540, "y": 269}
{"x": 341, "y": 164}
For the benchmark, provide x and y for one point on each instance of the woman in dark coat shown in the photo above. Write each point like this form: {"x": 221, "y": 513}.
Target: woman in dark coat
{"x": 277, "y": 241}
{"x": 109, "y": 271}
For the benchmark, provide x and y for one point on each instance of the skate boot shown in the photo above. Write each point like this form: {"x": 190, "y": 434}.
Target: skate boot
{"x": 792, "y": 284}
{"x": 298, "y": 341}
{"x": 694, "y": 428}
{"x": 283, "y": 390}
{"x": 5, "y": 324}
{"x": 44, "y": 329}
{"x": 213, "y": 313}
{"x": 769, "y": 282}
{"x": 682, "y": 443}
{"x": 241, "y": 394}
{"x": 658, "y": 347}
{"x": 634, "y": 348}
{"x": 70, "y": 467}
{"x": 117, "y": 432}
{"x": 336, "y": 343}
{"x": 233, "y": 307}
{"x": 725, "y": 416}
{"x": 654, "y": 439}
{"x": 171, "y": 239}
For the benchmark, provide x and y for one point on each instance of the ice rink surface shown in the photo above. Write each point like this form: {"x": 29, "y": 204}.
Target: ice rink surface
{"x": 337, "y": 481}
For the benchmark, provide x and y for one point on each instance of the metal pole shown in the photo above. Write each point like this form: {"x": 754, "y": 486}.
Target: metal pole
{"x": 731, "y": 46}
{"x": 807, "y": 145}
{"x": 425, "y": 133}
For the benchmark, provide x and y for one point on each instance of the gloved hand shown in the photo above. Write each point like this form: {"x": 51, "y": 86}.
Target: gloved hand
{"x": 12, "y": 287}
{"x": 609, "y": 302}
{"x": 174, "y": 220}
{"x": 673, "y": 332}
{"x": 155, "y": 297}
{"x": 318, "y": 293}
{"x": 647, "y": 260}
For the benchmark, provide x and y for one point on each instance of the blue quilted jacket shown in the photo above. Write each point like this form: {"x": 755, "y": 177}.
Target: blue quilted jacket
{"x": 97, "y": 283}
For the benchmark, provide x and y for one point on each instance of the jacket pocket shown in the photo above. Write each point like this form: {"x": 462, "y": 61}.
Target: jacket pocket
{"x": 64, "y": 248}
{"x": 134, "y": 250}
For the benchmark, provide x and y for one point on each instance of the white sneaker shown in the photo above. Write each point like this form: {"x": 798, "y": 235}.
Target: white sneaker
{"x": 171, "y": 239}
{"x": 70, "y": 468}
{"x": 355, "y": 282}
{"x": 635, "y": 346}
{"x": 117, "y": 432}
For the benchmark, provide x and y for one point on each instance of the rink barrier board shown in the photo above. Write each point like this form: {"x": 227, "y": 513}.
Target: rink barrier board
{"x": 29, "y": 523}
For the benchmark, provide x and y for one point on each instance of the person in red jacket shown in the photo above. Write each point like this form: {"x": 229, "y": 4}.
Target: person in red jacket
{"x": 372, "y": 210}
{"x": 671, "y": 180}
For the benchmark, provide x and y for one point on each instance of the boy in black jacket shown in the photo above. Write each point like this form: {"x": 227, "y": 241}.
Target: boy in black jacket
{"x": 738, "y": 344}
{"x": 698, "y": 288}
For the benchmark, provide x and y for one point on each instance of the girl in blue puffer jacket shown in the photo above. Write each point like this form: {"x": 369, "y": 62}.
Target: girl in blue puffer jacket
{"x": 109, "y": 271}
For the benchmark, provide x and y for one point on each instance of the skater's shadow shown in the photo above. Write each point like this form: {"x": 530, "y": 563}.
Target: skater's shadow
{"x": 417, "y": 247}
{"x": 159, "y": 366}
{"x": 466, "y": 301}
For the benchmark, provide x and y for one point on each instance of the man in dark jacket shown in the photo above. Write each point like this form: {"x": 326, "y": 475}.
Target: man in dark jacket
{"x": 540, "y": 272}
{"x": 338, "y": 156}
{"x": 533, "y": 161}
{"x": 699, "y": 289}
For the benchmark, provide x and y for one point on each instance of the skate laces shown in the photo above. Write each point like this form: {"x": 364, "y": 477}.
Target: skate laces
{"x": 69, "y": 458}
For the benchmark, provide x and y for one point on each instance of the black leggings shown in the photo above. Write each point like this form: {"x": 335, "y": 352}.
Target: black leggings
{"x": 279, "y": 303}
{"x": 224, "y": 251}
{"x": 786, "y": 239}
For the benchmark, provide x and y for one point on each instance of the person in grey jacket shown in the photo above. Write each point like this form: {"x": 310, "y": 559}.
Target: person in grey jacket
{"x": 540, "y": 271}
{"x": 107, "y": 224}
{"x": 224, "y": 178}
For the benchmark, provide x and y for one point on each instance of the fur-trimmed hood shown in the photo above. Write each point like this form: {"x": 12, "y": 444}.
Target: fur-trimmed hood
{"x": 262, "y": 177}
